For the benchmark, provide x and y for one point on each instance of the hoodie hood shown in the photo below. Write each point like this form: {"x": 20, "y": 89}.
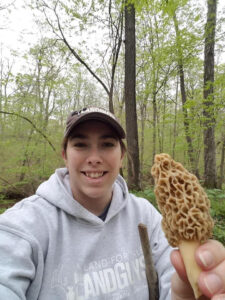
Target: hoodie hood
{"x": 57, "y": 191}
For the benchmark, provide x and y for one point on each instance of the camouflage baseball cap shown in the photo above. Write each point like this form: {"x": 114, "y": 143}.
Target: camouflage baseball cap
{"x": 93, "y": 113}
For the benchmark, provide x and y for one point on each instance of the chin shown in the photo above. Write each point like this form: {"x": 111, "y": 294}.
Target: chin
{"x": 96, "y": 194}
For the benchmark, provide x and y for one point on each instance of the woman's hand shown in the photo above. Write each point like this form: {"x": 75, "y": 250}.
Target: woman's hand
{"x": 211, "y": 258}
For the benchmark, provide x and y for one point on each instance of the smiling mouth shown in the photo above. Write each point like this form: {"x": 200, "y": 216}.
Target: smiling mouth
{"x": 94, "y": 174}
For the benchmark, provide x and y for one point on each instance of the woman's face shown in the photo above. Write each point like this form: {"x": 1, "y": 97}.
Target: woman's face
{"x": 93, "y": 158}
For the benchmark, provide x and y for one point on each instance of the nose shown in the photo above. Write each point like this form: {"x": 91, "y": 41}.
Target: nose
{"x": 94, "y": 157}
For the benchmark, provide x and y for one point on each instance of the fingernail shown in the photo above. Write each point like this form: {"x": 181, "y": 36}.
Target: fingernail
{"x": 213, "y": 283}
{"x": 206, "y": 258}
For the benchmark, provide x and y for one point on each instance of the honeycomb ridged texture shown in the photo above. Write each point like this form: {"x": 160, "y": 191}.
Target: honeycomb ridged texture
{"x": 182, "y": 201}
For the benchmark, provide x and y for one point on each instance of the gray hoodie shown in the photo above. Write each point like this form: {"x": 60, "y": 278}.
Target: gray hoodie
{"x": 52, "y": 248}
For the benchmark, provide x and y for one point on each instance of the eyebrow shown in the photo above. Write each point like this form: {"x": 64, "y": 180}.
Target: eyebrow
{"x": 78, "y": 136}
{"x": 109, "y": 136}
{"x": 105, "y": 136}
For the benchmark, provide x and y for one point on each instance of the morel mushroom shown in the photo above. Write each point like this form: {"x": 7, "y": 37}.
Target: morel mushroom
{"x": 185, "y": 209}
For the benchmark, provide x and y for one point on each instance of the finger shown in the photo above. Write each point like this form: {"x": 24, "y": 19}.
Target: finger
{"x": 179, "y": 283}
{"x": 213, "y": 282}
{"x": 180, "y": 288}
{"x": 177, "y": 262}
{"x": 219, "y": 297}
{"x": 210, "y": 254}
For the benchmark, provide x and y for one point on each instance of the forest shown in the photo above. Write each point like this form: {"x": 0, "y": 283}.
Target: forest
{"x": 158, "y": 65}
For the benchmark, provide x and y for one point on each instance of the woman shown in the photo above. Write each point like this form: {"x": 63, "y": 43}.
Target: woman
{"x": 77, "y": 237}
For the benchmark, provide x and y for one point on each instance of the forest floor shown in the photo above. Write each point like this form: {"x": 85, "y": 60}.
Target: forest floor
{"x": 6, "y": 203}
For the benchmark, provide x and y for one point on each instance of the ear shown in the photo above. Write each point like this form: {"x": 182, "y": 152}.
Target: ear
{"x": 64, "y": 156}
{"x": 121, "y": 159}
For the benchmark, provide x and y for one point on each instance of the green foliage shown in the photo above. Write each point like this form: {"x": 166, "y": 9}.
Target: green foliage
{"x": 219, "y": 232}
{"x": 4, "y": 203}
{"x": 148, "y": 194}
{"x": 217, "y": 198}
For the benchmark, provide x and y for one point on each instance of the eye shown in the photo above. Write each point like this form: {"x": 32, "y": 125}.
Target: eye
{"x": 108, "y": 144}
{"x": 80, "y": 145}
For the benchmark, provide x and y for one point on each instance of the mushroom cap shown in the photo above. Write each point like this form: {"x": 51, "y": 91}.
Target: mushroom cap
{"x": 182, "y": 201}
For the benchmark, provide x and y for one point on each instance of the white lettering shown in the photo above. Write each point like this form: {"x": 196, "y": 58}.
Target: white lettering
{"x": 88, "y": 286}
{"x": 131, "y": 280}
{"x": 96, "y": 109}
{"x": 70, "y": 295}
{"x": 142, "y": 265}
{"x": 136, "y": 267}
{"x": 99, "y": 283}
{"x": 121, "y": 276}
{"x": 110, "y": 280}
{"x": 99, "y": 280}
{"x": 104, "y": 263}
{"x": 119, "y": 258}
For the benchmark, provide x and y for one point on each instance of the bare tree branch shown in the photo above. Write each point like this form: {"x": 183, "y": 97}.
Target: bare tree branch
{"x": 34, "y": 126}
{"x": 6, "y": 5}
{"x": 81, "y": 60}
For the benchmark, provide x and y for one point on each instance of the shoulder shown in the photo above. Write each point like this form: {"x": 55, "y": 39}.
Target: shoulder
{"x": 29, "y": 217}
{"x": 138, "y": 204}
{"x": 28, "y": 208}
{"x": 143, "y": 211}
{"x": 142, "y": 204}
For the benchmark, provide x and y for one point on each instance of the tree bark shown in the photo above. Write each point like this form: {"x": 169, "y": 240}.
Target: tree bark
{"x": 175, "y": 120}
{"x": 222, "y": 160}
{"x": 208, "y": 101}
{"x": 143, "y": 108}
{"x": 116, "y": 35}
{"x": 130, "y": 99}
{"x": 188, "y": 137}
{"x": 154, "y": 106}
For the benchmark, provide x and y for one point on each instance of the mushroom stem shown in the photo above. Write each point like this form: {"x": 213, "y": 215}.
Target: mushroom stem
{"x": 187, "y": 250}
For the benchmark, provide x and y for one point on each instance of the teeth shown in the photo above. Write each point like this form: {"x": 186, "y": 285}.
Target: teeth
{"x": 94, "y": 174}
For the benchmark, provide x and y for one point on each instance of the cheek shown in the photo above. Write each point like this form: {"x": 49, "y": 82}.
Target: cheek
{"x": 74, "y": 159}
{"x": 116, "y": 160}
{"x": 68, "y": 158}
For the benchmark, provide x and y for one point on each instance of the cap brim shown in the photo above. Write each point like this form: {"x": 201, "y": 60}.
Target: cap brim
{"x": 100, "y": 117}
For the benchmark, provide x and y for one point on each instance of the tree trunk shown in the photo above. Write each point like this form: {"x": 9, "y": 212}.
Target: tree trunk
{"x": 184, "y": 97}
{"x": 208, "y": 102}
{"x": 116, "y": 35}
{"x": 143, "y": 120}
{"x": 222, "y": 160}
{"x": 154, "y": 105}
{"x": 25, "y": 156}
{"x": 175, "y": 121}
{"x": 130, "y": 99}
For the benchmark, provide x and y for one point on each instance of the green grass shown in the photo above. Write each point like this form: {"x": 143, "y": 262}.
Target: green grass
{"x": 217, "y": 199}
{"x": 5, "y": 203}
